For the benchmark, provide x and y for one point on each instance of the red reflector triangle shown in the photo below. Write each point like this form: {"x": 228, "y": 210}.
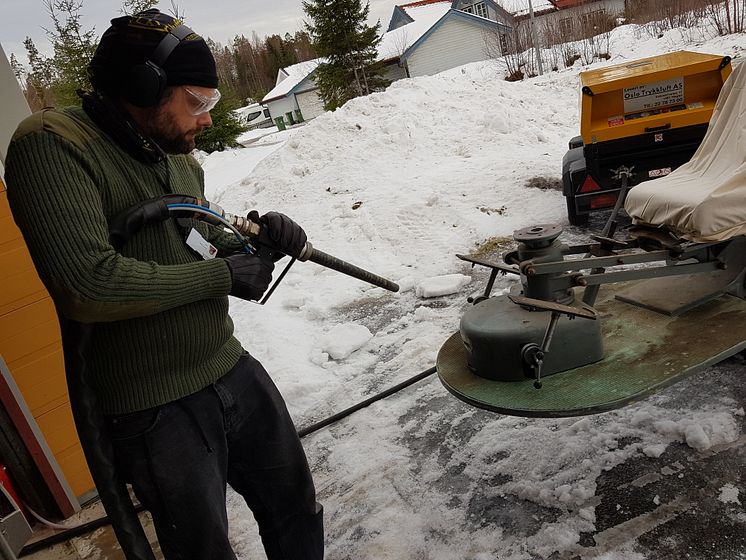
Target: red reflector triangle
{"x": 589, "y": 185}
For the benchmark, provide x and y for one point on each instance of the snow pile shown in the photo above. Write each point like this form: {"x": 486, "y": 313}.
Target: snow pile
{"x": 700, "y": 433}
{"x": 397, "y": 183}
{"x": 402, "y": 180}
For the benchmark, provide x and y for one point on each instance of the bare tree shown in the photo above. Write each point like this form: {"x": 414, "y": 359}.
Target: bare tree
{"x": 561, "y": 42}
{"x": 401, "y": 41}
{"x": 727, "y": 16}
{"x": 659, "y": 17}
{"x": 513, "y": 48}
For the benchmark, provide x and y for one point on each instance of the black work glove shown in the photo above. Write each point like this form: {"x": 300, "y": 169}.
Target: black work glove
{"x": 287, "y": 236}
{"x": 250, "y": 274}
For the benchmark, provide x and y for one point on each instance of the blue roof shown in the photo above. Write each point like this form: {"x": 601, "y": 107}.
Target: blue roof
{"x": 398, "y": 18}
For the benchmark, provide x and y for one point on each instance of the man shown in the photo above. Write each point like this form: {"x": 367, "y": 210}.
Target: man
{"x": 188, "y": 410}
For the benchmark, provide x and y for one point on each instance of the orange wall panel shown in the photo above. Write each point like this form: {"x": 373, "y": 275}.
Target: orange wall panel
{"x": 31, "y": 346}
{"x": 55, "y": 425}
{"x": 41, "y": 378}
{"x": 28, "y": 330}
{"x": 73, "y": 464}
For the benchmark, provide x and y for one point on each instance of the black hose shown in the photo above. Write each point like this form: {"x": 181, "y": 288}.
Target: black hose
{"x": 390, "y": 391}
{"x": 101, "y": 522}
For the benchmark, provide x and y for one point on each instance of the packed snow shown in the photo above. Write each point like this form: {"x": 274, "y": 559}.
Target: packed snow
{"x": 729, "y": 495}
{"x": 398, "y": 183}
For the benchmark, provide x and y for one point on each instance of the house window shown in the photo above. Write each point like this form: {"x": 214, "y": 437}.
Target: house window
{"x": 478, "y": 8}
{"x": 592, "y": 20}
{"x": 565, "y": 25}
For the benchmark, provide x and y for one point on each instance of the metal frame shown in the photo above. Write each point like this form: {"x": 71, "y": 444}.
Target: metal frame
{"x": 33, "y": 438}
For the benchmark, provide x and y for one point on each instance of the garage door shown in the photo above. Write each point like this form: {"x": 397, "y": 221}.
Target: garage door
{"x": 310, "y": 104}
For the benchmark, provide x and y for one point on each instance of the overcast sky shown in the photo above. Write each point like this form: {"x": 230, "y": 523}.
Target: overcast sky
{"x": 220, "y": 20}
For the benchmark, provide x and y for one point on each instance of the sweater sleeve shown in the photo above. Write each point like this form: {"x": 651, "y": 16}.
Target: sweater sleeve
{"x": 55, "y": 203}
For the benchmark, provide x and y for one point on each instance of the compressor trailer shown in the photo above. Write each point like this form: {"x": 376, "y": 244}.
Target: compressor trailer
{"x": 648, "y": 115}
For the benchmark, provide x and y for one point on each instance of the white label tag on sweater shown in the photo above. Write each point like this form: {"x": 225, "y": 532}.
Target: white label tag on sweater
{"x": 199, "y": 244}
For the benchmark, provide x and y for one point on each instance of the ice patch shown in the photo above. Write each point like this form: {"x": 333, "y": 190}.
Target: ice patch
{"x": 406, "y": 284}
{"x": 441, "y": 285}
{"x": 589, "y": 514}
{"x": 424, "y": 314}
{"x": 294, "y": 301}
{"x": 342, "y": 340}
{"x": 654, "y": 450}
{"x": 696, "y": 438}
{"x": 641, "y": 418}
{"x": 318, "y": 357}
{"x": 666, "y": 427}
{"x": 703, "y": 432}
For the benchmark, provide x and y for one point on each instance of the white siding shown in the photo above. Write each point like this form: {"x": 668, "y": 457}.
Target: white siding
{"x": 279, "y": 107}
{"x": 307, "y": 101}
{"x": 454, "y": 43}
{"x": 612, "y": 8}
{"x": 310, "y": 104}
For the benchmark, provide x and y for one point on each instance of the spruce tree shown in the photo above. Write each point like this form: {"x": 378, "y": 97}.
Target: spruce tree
{"x": 73, "y": 49}
{"x": 280, "y": 53}
{"x": 341, "y": 35}
{"x": 40, "y": 78}
{"x": 131, "y": 7}
{"x": 225, "y": 127}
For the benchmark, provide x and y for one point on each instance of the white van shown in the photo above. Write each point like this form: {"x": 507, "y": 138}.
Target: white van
{"x": 255, "y": 115}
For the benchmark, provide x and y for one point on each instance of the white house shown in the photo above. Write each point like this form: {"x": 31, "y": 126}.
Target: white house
{"x": 430, "y": 36}
{"x": 423, "y": 38}
{"x": 562, "y": 18}
{"x": 294, "y": 91}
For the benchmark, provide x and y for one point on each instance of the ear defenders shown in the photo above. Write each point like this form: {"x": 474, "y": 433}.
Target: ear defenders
{"x": 144, "y": 84}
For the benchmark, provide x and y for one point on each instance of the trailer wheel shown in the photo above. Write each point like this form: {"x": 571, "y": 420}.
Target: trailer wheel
{"x": 572, "y": 214}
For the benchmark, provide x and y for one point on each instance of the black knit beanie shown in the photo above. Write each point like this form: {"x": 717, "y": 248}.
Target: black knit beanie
{"x": 131, "y": 40}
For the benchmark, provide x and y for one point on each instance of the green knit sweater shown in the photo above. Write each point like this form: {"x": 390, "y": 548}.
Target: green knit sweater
{"x": 162, "y": 329}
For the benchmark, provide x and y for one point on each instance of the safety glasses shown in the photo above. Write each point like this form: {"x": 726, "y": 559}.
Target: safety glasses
{"x": 201, "y": 103}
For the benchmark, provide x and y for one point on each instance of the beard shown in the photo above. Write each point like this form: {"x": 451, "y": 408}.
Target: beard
{"x": 164, "y": 131}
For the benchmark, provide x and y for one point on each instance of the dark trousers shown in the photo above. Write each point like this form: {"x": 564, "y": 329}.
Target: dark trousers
{"x": 180, "y": 456}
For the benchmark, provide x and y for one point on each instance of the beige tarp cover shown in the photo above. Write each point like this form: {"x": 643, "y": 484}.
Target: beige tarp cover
{"x": 704, "y": 199}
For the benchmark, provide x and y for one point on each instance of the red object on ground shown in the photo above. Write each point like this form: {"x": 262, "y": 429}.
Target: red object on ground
{"x": 8, "y": 485}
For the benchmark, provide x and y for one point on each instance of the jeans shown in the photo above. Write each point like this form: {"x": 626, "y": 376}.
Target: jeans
{"x": 180, "y": 456}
